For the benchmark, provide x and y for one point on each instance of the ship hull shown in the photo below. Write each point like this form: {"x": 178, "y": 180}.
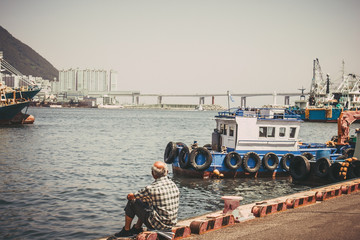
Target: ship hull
{"x": 8, "y": 112}
{"x": 320, "y": 115}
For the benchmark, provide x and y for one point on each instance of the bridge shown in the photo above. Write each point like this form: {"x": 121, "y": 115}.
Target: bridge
{"x": 136, "y": 96}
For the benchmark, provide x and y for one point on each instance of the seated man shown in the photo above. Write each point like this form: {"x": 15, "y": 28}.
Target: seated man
{"x": 156, "y": 205}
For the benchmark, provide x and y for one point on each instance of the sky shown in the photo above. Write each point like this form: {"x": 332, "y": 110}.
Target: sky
{"x": 194, "y": 46}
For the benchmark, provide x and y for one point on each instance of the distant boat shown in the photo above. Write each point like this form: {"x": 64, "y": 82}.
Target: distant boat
{"x": 199, "y": 108}
{"x": 326, "y": 104}
{"x": 55, "y": 106}
{"x": 110, "y": 106}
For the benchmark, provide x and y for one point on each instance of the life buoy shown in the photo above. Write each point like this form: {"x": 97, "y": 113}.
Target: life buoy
{"x": 334, "y": 172}
{"x": 299, "y": 168}
{"x": 270, "y": 161}
{"x": 308, "y": 155}
{"x": 229, "y": 164}
{"x": 254, "y": 159}
{"x": 322, "y": 167}
{"x": 200, "y": 151}
{"x": 354, "y": 169}
{"x": 184, "y": 160}
{"x": 349, "y": 152}
{"x": 286, "y": 160}
{"x": 170, "y": 152}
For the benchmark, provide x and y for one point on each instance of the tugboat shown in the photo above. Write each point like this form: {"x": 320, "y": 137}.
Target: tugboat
{"x": 257, "y": 143}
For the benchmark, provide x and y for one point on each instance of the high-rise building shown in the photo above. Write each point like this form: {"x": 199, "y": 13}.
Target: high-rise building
{"x": 84, "y": 81}
{"x": 113, "y": 81}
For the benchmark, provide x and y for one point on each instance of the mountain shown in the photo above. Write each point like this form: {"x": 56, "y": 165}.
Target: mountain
{"x": 24, "y": 58}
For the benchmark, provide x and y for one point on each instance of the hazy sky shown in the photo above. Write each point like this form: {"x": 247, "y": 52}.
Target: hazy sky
{"x": 193, "y": 46}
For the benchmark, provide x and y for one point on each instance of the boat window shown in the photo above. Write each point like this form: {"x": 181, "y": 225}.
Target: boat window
{"x": 282, "y": 132}
{"x": 292, "y": 132}
{"x": 231, "y": 131}
{"x": 225, "y": 129}
{"x": 221, "y": 128}
{"x": 271, "y": 131}
{"x": 262, "y": 131}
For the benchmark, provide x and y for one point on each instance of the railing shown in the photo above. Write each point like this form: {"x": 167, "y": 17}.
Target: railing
{"x": 257, "y": 113}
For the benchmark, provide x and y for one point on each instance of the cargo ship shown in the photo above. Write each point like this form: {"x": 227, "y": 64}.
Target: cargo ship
{"x": 14, "y": 100}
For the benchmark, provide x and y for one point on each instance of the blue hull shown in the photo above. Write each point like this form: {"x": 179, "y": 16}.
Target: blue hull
{"x": 320, "y": 115}
{"x": 218, "y": 162}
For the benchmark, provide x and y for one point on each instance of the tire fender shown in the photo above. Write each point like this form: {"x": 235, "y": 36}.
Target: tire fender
{"x": 299, "y": 168}
{"x": 255, "y": 157}
{"x": 200, "y": 151}
{"x": 287, "y": 157}
{"x": 274, "y": 158}
{"x": 184, "y": 159}
{"x": 228, "y": 163}
{"x": 170, "y": 152}
{"x": 321, "y": 167}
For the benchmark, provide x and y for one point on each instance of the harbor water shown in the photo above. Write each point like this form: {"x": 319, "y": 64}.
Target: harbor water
{"x": 67, "y": 175}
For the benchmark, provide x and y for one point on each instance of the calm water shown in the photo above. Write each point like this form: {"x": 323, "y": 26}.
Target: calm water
{"x": 68, "y": 174}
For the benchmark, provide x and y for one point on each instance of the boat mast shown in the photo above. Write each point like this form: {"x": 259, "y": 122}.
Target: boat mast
{"x": 228, "y": 95}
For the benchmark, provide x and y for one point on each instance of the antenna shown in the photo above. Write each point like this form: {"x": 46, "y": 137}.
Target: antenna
{"x": 302, "y": 89}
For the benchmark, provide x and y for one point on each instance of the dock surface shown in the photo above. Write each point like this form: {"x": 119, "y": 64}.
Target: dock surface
{"x": 337, "y": 218}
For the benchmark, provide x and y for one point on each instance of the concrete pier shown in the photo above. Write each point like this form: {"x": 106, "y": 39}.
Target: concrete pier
{"x": 337, "y": 218}
{"x": 329, "y": 212}
{"x": 333, "y": 217}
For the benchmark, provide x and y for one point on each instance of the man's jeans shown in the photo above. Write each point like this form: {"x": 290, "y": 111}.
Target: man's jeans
{"x": 139, "y": 208}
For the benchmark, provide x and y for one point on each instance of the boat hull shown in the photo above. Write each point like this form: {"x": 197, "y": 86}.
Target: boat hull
{"x": 8, "y": 112}
{"x": 219, "y": 166}
{"x": 191, "y": 173}
{"x": 320, "y": 115}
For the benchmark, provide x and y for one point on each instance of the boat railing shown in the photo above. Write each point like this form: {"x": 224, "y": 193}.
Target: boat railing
{"x": 256, "y": 113}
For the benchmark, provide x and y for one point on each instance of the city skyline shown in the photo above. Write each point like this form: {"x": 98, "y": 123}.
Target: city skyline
{"x": 188, "y": 47}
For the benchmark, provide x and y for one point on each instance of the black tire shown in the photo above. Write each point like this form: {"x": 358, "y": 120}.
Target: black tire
{"x": 228, "y": 163}
{"x": 184, "y": 159}
{"x": 170, "y": 152}
{"x": 349, "y": 152}
{"x": 200, "y": 151}
{"x": 288, "y": 157}
{"x": 208, "y": 146}
{"x": 308, "y": 155}
{"x": 245, "y": 162}
{"x": 334, "y": 172}
{"x": 270, "y": 156}
{"x": 353, "y": 170}
{"x": 299, "y": 168}
{"x": 321, "y": 167}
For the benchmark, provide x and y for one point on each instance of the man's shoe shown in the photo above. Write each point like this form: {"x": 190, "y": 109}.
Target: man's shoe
{"x": 124, "y": 233}
{"x": 136, "y": 231}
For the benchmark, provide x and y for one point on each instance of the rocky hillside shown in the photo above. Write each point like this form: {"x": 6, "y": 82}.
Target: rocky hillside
{"x": 24, "y": 58}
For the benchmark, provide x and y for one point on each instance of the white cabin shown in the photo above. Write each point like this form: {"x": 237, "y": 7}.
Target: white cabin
{"x": 260, "y": 129}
